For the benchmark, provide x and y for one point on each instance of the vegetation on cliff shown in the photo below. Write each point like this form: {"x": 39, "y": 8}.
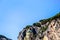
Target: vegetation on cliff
{"x": 44, "y": 21}
{"x": 39, "y": 29}
{"x": 50, "y": 19}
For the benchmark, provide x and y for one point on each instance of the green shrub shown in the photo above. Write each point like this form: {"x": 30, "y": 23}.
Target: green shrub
{"x": 50, "y": 19}
{"x": 43, "y": 21}
{"x": 44, "y": 28}
{"x": 37, "y": 24}
{"x": 28, "y": 26}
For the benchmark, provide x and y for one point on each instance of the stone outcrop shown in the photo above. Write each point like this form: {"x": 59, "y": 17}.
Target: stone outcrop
{"x": 46, "y": 29}
{"x": 29, "y": 35}
{"x": 4, "y": 38}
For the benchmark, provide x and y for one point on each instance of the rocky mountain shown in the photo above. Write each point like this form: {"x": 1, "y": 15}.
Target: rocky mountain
{"x": 4, "y": 38}
{"x": 46, "y": 29}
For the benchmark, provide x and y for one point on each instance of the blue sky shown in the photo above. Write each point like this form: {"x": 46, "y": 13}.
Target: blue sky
{"x": 16, "y": 14}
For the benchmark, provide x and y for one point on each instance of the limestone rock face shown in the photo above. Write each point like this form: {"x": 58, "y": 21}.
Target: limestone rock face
{"x": 29, "y": 35}
{"x": 46, "y": 29}
{"x": 53, "y": 32}
{"x": 4, "y": 38}
{"x": 45, "y": 38}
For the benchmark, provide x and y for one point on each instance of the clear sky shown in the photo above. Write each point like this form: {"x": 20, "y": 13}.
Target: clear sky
{"x": 16, "y": 14}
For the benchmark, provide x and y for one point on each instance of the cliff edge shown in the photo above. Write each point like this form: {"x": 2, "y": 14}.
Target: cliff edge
{"x": 46, "y": 29}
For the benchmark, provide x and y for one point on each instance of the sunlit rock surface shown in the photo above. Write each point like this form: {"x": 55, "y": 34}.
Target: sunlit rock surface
{"x": 46, "y": 29}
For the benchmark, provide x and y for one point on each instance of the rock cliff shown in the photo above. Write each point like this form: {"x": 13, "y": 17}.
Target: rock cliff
{"x": 46, "y": 29}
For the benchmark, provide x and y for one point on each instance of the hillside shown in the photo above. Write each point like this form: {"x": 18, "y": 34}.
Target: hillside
{"x": 2, "y": 37}
{"x": 46, "y": 29}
